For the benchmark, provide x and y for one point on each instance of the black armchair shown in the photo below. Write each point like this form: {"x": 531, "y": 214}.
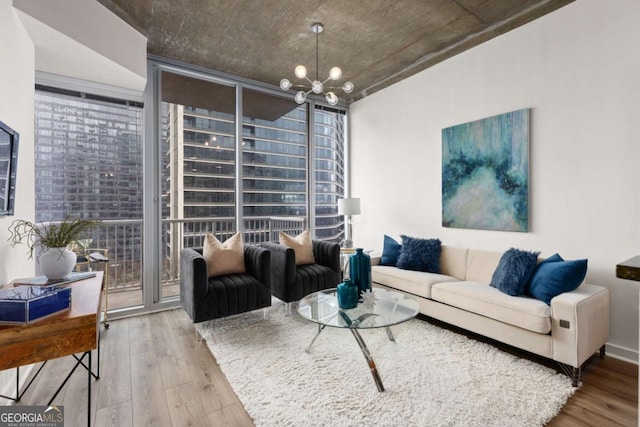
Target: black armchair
{"x": 291, "y": 282}
{"x": 205, "y": 298}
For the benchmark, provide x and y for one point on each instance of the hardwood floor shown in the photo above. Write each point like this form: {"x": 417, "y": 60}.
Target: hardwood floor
{"x": 156, "y": 372}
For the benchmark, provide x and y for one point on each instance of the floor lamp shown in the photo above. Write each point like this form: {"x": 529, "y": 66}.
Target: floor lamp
{"x": 348, "y": 207}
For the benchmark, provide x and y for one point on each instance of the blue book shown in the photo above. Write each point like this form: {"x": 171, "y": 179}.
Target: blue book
{"x": 27, "y": 304}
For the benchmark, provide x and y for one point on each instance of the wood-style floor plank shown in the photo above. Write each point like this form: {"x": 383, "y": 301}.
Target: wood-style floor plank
{"x": 134, "y": 391}
{"x": 199, "y": 363}
{"x": 115, "y": 374}
{"x": 120, "y": 415}
{"x": 185, "y": 406}
{"x": 148, "y": 395}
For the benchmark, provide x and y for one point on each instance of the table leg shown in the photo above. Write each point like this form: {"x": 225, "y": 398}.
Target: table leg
{"x": 24, "y": 390}
{"x": 89, "y": 391}
{"x": 320, "y": 328}
{"x": 105, "y": 321}
{"x": 367, "y": 356}
{"x": 390, "y": 334}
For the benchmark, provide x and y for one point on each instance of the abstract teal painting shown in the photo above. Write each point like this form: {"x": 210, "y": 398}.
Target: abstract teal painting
{"x": 485, "y": 173}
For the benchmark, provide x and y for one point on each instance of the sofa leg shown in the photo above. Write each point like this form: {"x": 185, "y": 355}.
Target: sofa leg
{"x": 287, "y": 306}
{"x": 265, "y": 313}
{"x": 199, "y": 338}
{"x": 572, "y": 372}
{"x": 602, "y": 352}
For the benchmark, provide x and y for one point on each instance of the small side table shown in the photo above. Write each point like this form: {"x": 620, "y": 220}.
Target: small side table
{"x": 68, "y": 333}
{"x": 97, "y": 257}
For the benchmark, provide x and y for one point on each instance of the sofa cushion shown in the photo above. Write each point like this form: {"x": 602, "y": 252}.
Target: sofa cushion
{"x": 453, "y": 261}
{"x": 390, "y": 251}
{"x": 419, "y": 254}
{"x": 514, "y": 271}
{"x": 414, "y": 282}
{"x": 481, "y": 265}
{"x": 522, "y": 311}
{"x": 555, "y": 276}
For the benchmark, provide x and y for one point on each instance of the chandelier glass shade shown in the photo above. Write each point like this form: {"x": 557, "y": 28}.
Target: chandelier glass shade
{"x": 316, "y": 86}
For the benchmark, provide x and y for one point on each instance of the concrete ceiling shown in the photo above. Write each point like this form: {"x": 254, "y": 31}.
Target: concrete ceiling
{"x": 375, "y": 42}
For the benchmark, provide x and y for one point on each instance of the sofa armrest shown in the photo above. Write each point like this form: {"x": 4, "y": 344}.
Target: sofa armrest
{"x": 257, "y": 262}
{"x": 193, "y": 279}
{"x": 327, "y": 254}
{"x": 580, "y": 324}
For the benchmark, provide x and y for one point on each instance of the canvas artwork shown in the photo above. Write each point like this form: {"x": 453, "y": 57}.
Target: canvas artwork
{"x": 485, "y": 173}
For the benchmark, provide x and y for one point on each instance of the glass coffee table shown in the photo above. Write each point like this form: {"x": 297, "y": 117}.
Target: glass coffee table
{"x": 388, "y": 309}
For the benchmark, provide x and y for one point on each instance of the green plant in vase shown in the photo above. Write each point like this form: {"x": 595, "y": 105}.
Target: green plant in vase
{"x": 55, "y": 259}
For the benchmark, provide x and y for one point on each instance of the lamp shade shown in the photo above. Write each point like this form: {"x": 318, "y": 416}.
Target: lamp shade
{"x": 349, "y": 206}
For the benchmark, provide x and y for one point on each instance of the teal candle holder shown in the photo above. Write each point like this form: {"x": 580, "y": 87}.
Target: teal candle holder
{"x": 347, "y": 294}
{"x": 360, "y": 269}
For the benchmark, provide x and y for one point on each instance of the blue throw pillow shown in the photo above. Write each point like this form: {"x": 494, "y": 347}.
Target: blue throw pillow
{"x": 514, "y": 271}
{"x": 419, "y": 254}
{"x": 390, "y": 251}
{"x": 555, "y": 276}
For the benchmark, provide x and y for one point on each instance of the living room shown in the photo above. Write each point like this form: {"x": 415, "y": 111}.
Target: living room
{"x": 576, "y": 68}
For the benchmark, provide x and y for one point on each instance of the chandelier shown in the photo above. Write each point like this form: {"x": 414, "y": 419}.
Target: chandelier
{"x": 317, "y": 86}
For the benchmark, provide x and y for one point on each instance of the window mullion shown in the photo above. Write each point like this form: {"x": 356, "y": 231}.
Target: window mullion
{"x": 311, "y": 166}
{"x": 239, "y": 161}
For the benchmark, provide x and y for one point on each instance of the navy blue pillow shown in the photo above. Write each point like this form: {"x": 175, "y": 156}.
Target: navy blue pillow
{"x": 419, "y": 254}
{"x": 390, "y": 251}
{"x": 555, "y": 276}
{"x": 514, "y": 271}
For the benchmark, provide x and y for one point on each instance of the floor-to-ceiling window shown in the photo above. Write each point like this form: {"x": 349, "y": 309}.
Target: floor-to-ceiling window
{"x": 236, "y": 157}
{"x": 198, "y": 174}
{"x": 329, "y": 172}
{"x": 274, "y": 166}
{"x": 88, "y": 163}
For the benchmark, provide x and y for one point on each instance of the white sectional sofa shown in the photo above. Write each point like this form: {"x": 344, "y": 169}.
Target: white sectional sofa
{"x": 569, "y": 331}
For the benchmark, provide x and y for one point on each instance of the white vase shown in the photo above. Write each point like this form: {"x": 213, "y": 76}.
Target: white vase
{"x": 57, "y": 263}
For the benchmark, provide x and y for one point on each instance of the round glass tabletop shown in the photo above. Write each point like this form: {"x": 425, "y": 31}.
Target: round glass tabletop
{"x": 388, "y": 309}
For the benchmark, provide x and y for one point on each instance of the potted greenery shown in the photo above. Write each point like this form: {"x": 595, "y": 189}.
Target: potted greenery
{"x": 55, "y": 259}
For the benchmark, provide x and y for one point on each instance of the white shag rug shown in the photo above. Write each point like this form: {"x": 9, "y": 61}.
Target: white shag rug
{"x": 432, "y": 376}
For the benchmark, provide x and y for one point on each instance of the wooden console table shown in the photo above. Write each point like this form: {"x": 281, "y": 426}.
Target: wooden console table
{"x": 74, "y": 331}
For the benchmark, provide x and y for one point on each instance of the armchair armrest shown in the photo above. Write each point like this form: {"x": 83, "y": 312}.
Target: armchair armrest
{"x": 327, "y": 254}
{"x": 580, "y": 323}
{"x": 283, "y": 269}
{"x": 193, "y": 279}
{"x": 257, "y": 262}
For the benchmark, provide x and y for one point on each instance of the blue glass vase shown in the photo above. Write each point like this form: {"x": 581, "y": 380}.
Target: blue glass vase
{"x": 360, "y": 270}
{"x": 347, "y": 295}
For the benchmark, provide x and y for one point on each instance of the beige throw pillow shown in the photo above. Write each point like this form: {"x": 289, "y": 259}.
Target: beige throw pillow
{"x": 301, "y": 245}
{"x": 223, "y": 258}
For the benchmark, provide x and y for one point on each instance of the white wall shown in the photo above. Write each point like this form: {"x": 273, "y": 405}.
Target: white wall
{"x": 16, "y": 110}
{"x": 84, "y": 40}
{"x": 578, "y": 70}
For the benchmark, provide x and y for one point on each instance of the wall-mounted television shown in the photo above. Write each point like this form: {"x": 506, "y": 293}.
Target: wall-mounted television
{"x": 8, "y": 165}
